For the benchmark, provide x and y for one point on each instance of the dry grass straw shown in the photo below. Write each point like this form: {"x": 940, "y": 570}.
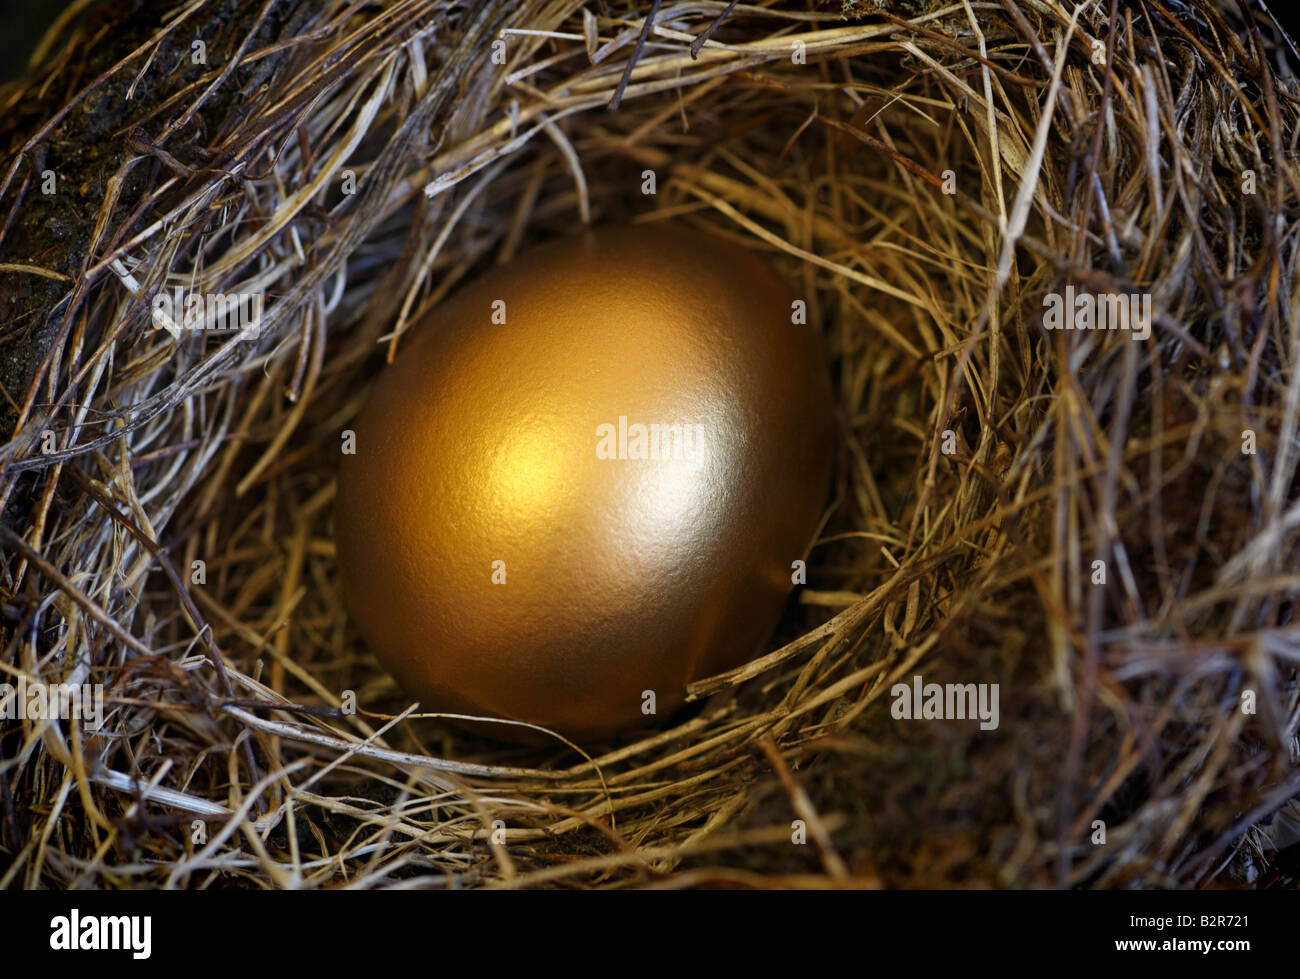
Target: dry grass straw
{"x": 1101, "y": 148}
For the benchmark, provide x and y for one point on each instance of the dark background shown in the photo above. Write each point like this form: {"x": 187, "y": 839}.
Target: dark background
{"x": 22, "y": 22}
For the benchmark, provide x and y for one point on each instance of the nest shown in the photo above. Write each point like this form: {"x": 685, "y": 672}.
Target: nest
{"x": 1103, "y": 525}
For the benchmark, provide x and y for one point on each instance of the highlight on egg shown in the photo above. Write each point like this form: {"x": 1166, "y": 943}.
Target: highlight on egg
{"x": 586, "y": 481}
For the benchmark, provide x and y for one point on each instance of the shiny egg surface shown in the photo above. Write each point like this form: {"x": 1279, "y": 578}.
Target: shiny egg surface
{"x": 585, "y": 479}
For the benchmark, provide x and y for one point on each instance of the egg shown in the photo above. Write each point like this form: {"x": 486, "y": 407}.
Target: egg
{"x": 586, "y": 480}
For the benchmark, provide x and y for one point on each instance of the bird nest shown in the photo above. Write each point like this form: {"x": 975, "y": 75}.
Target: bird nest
{"x": 1095, "y": 525}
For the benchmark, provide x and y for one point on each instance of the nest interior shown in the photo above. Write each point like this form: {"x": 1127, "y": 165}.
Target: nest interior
{"x": 1101, "y": 524}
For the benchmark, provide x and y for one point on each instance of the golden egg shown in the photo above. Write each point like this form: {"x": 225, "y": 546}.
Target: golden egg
{"x": 585, "y": 480}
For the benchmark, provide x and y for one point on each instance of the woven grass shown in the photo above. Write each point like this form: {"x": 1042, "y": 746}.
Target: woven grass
{"x": 925, "y": 174}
